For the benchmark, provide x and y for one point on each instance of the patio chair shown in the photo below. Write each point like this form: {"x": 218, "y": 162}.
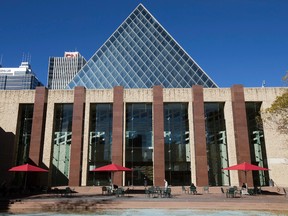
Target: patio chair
{"x": 206, "y": 189}
{"x": 119, "y": 192}
{"x": 68, "y": 192}
{"x": 250, "y": 191}
{"x": 167, "y": 192}
{"x": 184, "y": 190}
{"x": 230, "y": 193}
{"x": 104, "y": 190}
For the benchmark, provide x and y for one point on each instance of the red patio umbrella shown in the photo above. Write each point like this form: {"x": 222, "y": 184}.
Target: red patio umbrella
{"x": 245, "y": 167}
{"x": 26, "y": 168}
{"x": 111, "y": 168}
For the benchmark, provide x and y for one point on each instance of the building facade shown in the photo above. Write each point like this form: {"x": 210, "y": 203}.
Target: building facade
{"x": 183, "y": 135}
{"x": 18, "y": 78}
{"x": 61, "y": 70}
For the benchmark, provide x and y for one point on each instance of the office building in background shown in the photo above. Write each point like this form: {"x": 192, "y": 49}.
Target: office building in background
{"x": 18, "y": 78}
{"x": 61, "y": 70}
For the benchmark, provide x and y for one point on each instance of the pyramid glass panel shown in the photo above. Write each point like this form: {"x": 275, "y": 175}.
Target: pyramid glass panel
{"x": 141, "y": 54}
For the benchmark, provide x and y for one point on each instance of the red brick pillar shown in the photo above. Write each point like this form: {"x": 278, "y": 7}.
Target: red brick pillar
{"x": 77, "y": 136}
{"x": 199, "y": 136}
{"x": 241, "y": 131}
{"x": 117, "y": 132}
{"x": 158, "y": 131}
{"x": 38, "y": 126}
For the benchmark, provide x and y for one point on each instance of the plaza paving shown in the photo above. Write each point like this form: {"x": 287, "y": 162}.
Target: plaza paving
{"x": 91, "y": 199}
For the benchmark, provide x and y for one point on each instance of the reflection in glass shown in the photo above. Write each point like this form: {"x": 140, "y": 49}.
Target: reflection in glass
{"x": 217, "y": 152}
{"x": 139, "y": 148}
{"x": 177, "y": 145}
{"x": 62, "y": 144}
{"x": 100, "y": 141}
{"x": 257, "y": 143}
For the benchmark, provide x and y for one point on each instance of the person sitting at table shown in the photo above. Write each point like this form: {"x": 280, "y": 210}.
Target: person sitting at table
{"x": 244, "y": 186}
{"x": 193, "y": 188}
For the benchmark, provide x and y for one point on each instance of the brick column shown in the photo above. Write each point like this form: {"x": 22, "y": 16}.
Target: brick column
{"x": 77, "y": 136}
{"x": 158, "y": 131}
{"x": 117, "y": 132}
{"x": 241, "y": 131}
{"x": 199, "y": 136}
{"x": 38, "y": 126}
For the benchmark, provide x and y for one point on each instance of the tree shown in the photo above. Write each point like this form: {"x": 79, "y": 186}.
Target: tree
{"x": 277, "y": 113}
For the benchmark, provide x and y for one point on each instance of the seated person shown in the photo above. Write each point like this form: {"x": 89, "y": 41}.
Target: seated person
{"x": 193, "y": 188}
{"x": 244, "y": 187}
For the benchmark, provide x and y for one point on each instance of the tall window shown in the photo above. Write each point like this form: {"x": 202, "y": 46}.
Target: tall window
{"x": 100, "y": 141}
{"x": 139, "y": 147}
{"x": 62, "y": 144}
{"x": 217, "y": 152}
{"x": 177, "y": 145}
{"x": 257, "y": 143}
{"x": 24, "y": 135}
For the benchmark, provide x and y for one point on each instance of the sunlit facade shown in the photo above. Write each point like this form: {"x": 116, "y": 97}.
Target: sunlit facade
{"x": 181, "y": 135}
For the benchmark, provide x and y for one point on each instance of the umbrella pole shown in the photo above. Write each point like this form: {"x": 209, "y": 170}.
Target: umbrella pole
{"x": 25, "y": 182}
{"x": 112, "y": 185}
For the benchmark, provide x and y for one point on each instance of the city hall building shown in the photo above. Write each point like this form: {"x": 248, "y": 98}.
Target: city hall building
{"x": 141, "y": 102}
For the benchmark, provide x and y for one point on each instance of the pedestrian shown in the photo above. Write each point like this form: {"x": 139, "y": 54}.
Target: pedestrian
{"x": 166, "y": 184}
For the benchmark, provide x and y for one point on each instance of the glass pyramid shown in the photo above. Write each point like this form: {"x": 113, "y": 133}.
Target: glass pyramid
{"x": 140, "y": 54}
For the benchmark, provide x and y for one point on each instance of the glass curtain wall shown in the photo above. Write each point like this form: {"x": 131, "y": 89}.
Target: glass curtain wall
{"x": 257, "y": 143}
{"x": 216, "y": 144}
{"x": 61, "y": 144}
{"x": 139, "y": 145}
{"x": 100, "y": 142}
{"x": 177, "y": 145}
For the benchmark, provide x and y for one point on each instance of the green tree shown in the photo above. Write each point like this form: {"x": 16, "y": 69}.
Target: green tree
{"x": 277, "y": 114}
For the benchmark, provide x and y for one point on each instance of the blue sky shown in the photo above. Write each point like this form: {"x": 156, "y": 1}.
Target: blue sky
{"x": 234, "y": 41}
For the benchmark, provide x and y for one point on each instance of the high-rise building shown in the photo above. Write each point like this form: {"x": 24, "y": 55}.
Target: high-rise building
{"x": 18, "y": 78}
{"x": 63, "y": 69}
{"x": 141, "y": 54}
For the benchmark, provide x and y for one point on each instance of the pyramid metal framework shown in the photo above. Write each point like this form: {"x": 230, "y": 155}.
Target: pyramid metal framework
{"x": 141, "y": 54}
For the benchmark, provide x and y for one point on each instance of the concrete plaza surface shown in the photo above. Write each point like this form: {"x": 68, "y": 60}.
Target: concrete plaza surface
{"x": 85, "y": 199}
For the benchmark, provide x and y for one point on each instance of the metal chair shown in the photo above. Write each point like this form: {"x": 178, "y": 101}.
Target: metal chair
{"x": 184, "y": 190}
{"x": 206, "y": 189}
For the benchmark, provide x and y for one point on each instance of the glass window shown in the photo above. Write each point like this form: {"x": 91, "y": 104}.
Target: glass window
{"x": 100, "y": 142}
{"x": 62, "y": 144}
{"x": 177, "y": 144}
{"x": 257, "y": 143}
{"x": 138, "y": 143}
{"x": 216, "y": 144}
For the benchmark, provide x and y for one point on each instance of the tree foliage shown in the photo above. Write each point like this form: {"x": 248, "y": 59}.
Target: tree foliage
{"x": 277, "y": 113}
